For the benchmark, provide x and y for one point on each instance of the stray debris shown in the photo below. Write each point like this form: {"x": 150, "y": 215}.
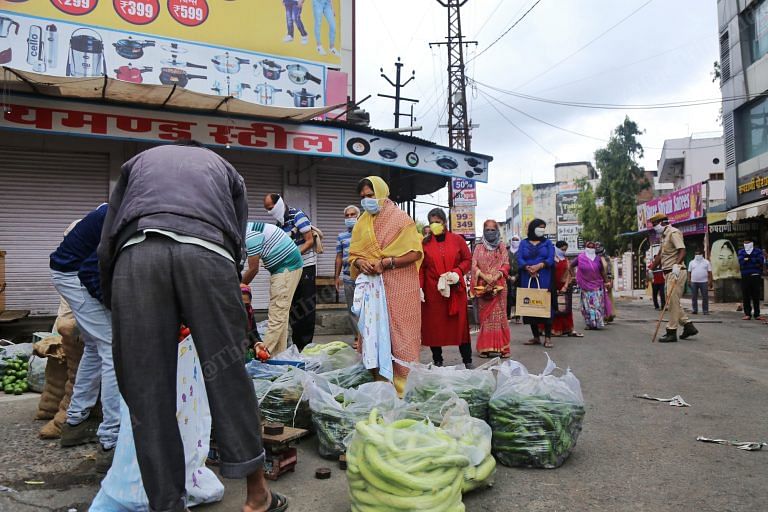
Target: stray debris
{"x": 7, "y": 489}
{"x": 34, "y": 482}
{"x": 749, "y": 446}
{"x": 675, "y": 401}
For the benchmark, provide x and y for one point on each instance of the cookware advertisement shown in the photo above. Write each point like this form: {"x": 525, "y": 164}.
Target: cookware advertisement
{"x": 75, "y": 50}
{"x": 408, "y": 155}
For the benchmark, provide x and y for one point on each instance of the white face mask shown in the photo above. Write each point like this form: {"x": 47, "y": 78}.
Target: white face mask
{"x": 699, "y": 257}
{"x": 591, "y": 254}
{"x": 514, "y": 245}
{"x": 748, "y": 247}
{"x": 659, "y": 228}
{"x": 539, "y": 232}
{"x": 278, "y": 211}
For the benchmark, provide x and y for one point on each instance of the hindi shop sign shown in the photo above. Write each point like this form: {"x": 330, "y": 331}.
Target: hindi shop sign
{"x": 680, "y": 206}
{"x": 463, "y": 192}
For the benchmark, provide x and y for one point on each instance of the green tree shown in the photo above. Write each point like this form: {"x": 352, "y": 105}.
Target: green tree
{"x": 611, "y": 209}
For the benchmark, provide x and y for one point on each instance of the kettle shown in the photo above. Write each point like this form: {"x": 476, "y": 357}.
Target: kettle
{"x": 5, "y": 26}
{"x": 86, "y": 54}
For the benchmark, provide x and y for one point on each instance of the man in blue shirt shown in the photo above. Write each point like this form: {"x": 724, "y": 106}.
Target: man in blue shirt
{"x": 343, "y": 277}
{"x": 297, "y": 224}
{"x": 75, "y": 274}
{"x": 752, "y": 263}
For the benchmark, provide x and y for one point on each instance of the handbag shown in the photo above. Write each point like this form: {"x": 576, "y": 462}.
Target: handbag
{"x": 534, "y": 302}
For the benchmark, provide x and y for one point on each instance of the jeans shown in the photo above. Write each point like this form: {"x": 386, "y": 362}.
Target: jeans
{"x": 659, "y": 295}
{"x": 158, "y": 284}
{"x": 324, "y": 8}
{"x": 750, "y": 291}
{"x": 96, "y": 371}
{"x": 465, "y": 349}
{"x": 703, "y": 289}
{"x": 293, "y": 15}
{"x": 349, "y": 298}
{"x": 303, "y": 308}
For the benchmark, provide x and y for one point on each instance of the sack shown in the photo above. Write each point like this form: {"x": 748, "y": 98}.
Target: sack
{"x": 36, "y": 375}
{"x": 283, "y": 400}
{"x": 534, "y": 302}
{"x": 536, "y": 419}
{"x": 350, "y": 377}
{"x": 122, "y": 489}
{"x": 53, "y": 391}
{"x": 321, "y": 357}
{"x": 318, "y": 237}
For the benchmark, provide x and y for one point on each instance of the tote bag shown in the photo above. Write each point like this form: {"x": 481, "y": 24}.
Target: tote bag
{"x": 534, "y": 302}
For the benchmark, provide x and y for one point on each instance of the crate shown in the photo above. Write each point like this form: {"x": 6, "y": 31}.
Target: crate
{"x": 275, "y": 464}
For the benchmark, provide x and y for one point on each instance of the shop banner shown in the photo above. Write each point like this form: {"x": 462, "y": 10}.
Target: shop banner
{"x": 567, "y": 208}
{"x": 571, "y": 234}
{"x": 463, "y": 192}
{"x": 451, "y": 164}
{"x": 753, "y": 187}
{"x": 680, "y": 206}
{"x": 90, "y": 45}
{"x": 527, "y": 213}
{"x": 463, "y": 221}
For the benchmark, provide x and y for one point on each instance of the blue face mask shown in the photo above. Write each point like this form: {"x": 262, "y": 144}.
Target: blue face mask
{"x": 370, "y": 205}
{"x": 350, "y": 223}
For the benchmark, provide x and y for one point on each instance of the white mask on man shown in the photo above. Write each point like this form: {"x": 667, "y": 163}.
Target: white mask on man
{"x": 749, "y": 247}
{"x": 278, "y": 211}
{"x": 659, "y": 228}
{"x": 699, "y": 257}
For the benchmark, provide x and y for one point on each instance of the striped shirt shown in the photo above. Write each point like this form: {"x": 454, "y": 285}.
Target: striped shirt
{"x": 273, "y": 246}
{"x": 296, "y": 225}
{"x": 342, "y": 247}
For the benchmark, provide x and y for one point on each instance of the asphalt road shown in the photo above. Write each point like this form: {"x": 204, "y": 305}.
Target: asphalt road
{"x": 633, "y": 454}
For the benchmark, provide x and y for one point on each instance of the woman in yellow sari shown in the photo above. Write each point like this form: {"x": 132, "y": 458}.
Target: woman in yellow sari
{"x": 385, "y": 241}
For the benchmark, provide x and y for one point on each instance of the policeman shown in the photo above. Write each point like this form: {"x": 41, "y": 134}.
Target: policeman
{"x": 670, "y": 260}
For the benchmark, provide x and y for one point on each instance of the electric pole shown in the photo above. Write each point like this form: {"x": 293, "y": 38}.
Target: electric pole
{"x": 397, "y": 97}
{"x": 459, "y": 136}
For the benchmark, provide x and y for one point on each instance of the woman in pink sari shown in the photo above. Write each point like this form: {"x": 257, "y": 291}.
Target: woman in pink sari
{"x": 591, "y": 277}
{"x": 490, "y": 268}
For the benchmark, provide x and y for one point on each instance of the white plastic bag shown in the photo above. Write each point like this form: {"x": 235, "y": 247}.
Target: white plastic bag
{"x": 283, "y": 400}
{"x": 434, "y": 385}
{"x": 122, "y": 489}
{"x": 36, "y": 373}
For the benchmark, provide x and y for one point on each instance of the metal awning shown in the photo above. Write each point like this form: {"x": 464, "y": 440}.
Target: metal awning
{"x": 757, "y": 209}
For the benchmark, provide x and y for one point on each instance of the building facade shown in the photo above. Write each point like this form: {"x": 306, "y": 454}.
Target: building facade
{"x": 690, "y": 160}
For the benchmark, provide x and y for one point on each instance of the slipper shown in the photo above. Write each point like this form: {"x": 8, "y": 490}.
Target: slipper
{"x": 575, "y": 334}
{"x": 504, "y": 356}
{"x": 548, "y": 344}
{"x": 279, "y": 502}
{"x": 532, "y": 341}
{"x": 745, "y": 317}
{"x": 484, "y": 355}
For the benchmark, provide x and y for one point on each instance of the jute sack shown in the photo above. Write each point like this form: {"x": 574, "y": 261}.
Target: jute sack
{"x": 73, "y": 350}
{"x": 55, "y": 376}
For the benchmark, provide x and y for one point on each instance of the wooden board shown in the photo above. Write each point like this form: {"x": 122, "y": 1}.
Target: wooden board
{"x": 289, "y": 434}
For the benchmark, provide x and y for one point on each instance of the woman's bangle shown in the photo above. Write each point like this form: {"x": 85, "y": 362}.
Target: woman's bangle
{"x": 392, "y": 265}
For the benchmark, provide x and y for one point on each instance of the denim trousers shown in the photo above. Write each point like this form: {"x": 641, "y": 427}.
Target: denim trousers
{"x": 324, "y": 8}
{"x": 96, "y": 371}
{"x": 157, "y": 285}
{"x": 293, "y": 15}
{"x": 703, "y": 290}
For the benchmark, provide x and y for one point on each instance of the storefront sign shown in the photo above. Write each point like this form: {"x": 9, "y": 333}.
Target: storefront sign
{"x": 463, "y": 221}
{"x": 680, "y": 206}
{"x": 571, "y": 234}
{"x": 753, "y": 187}
{"x": 452, "y": 164}
{"x": 567, "y": 208}
{"x": 526, "y": 205}
{"x": 463, "y": 192}
{"x": 694, "y": 227}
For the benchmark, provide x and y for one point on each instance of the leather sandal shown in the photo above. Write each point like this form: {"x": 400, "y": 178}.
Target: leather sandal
{"x": 532, "y": 341}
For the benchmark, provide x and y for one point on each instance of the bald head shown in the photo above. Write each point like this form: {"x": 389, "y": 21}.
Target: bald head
{"x": 270, "y": 200}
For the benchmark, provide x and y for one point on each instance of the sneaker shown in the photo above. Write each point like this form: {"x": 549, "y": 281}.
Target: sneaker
{"x": 82, "y": 433}
{"x": 104, "y": 459}
{"x": 288, "y": 39}
{"x": 321, "y": 50}
{"x": 334, "y": 51}
{"x": 304, "y": 39}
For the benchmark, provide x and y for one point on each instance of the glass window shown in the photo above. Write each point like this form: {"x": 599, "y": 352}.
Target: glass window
{"x": 754, "y": 123}
{"x": 758, "y": 33}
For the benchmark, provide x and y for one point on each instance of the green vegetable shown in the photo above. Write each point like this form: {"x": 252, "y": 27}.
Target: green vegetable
{"x": 429, "y": 388}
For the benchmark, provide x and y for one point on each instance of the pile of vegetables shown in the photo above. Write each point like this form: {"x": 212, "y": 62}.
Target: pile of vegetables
{"x": 281, "y": 400}
{"x": 350, "y": 377}
{"x": 321, "y": 357}
{"x": 429, "y": 387}
{"x": 404, "y": 465}
{"x": 13, "y": 372}
{"x": 536, "y": 419}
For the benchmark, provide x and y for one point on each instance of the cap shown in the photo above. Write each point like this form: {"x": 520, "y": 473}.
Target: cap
{"x": 658, "y": 218}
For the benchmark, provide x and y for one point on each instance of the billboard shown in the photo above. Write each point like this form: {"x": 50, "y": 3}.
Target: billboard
{"x": 463, "y": 192}
{"x": 680, "y": 206}
{"x": 567, "y": 208}
{"x": 527, "y": 210}
{"x": 235, "y": 48}
{"x": 463, "y": 221}
{"x": 571, "y": 234}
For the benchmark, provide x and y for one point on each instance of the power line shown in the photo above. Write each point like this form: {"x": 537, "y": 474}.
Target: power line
{"x": 507, "y": 31}
{"x": 622, "y": 20}
{"x": 489, "y": 19}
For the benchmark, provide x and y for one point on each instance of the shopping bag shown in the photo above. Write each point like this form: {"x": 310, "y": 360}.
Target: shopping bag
{"x": 534, "y": 302}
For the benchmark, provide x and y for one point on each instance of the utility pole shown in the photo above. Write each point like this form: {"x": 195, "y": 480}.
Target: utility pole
{"x": 459, "y": 136}
{"x": 398, "y": 86}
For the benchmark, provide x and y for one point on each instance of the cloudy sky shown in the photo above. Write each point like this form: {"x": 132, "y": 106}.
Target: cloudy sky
{"x": 574, "y": 50}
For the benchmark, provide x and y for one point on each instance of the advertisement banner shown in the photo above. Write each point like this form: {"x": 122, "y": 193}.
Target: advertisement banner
{"x": 567, "y": 208}
{"x": 463, "y": 192}
{"x": 571, "y": 234}
{"x": 463, "y": 221}
{"x": 203, "y": 58}
{"x": 527, "y": 213}
{"x": 680, "y": 206}
{"x": 753, "y": 187}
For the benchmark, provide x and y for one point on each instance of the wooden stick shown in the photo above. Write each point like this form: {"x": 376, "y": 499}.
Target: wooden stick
{"x": 668, "y": 294}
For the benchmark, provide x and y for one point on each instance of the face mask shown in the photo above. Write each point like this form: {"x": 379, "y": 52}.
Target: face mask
{"x": 514, "y": 245}
{"x": 437, "y": 228}
{"x": 748, "y": 247}
{"x": 491, "y": 235}
{"x": 699, "y": 257}
{"x": 370, "y": 205}
{"x": 350, "y": 223}
{"x": 539, "y": 232}
{"x": 658, "y": 228}
{"x": 559, "y": 253}
{"x": 278, "y": 211}
{"x": 591, "y": 254}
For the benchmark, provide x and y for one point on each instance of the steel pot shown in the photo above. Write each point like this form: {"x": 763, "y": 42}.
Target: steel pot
{"x": 265, "y": 93}
{"x": 303, "y": 98}
{"x": 86, "y": 54}
{"x": 176, "y": 76}
{"x": 228, "y": 64}
{"x": 299, "y": 75}
{"x": 131, "y": 48}
{"x": 132, "y": 74}
{"x": 271, "y": 69}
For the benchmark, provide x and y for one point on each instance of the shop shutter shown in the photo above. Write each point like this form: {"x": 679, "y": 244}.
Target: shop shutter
{"x": 260, "y": 180}
{"x": 40, "y": 195}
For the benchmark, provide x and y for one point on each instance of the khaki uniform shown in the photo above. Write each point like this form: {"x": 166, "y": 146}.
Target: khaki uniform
{"x": 671, "y": 242}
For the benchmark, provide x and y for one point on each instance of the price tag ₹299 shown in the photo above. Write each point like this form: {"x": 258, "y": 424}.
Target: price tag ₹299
{"x": 75, "y": 7}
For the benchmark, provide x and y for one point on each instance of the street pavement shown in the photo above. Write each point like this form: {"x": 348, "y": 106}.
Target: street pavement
{"x": 633, "y": 455}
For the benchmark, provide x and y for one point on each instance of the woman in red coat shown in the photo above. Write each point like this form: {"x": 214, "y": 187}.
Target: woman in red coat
{"x": 444, "y": 319}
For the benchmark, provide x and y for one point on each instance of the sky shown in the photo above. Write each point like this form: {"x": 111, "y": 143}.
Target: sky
{"x": 573, "y": 50}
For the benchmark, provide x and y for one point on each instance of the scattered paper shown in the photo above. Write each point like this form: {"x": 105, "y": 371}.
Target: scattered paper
{"x": 675, "y": 401}
{"x": 749, "y": 446}
{"x": 34, "y": 482}
{"x": 7, "y": 489}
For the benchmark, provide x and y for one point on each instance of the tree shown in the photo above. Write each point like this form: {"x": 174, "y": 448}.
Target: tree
{"x": 611, "y": 209}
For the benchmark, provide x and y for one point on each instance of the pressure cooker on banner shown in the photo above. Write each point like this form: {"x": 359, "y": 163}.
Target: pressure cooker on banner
{"x": 303, "y": 98}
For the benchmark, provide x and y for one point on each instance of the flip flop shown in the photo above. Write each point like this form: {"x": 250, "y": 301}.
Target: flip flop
{"x": 548, "y": 344}
{"x": 532, "y": 341}
{"x": 575, "y": 334}
{"x": 279, "y": 503}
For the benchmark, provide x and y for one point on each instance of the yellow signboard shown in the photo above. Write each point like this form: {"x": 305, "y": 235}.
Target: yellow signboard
{"x": 527, "y": 212}
{"x": 301, "y": 29}
{"x": 463, "y": 221}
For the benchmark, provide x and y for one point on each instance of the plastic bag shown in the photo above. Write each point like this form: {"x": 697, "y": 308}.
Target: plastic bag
{"x": 22, "y": 349}
{"x": 258, "y": 370}
{"x": 536, "y": 419}
{"x": 433, "y": 385}
{"x": 122, "y": 489}
{"x": 350, "y": 377}
{"x": 36, "y": 373}
{"x": 336, "y": 411}
{"x": 331, "y": 356}
{"x": 283, "y": 400}
{"x": 404, "y": 465}
{"x": 474, "y": 438}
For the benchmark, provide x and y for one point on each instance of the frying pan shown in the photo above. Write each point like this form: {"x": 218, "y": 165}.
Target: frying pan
{"x": 271, "y": 69}
{"x": 412, "y": 158}
{"x": 477, "y": 171}
{"x": 472, "y": 161}
{"x": 299, "y": 75}
{"x": 359, "y": 146}
{"x": 388, "y": 154}
{"x": 175, "y": 63}
{"x": 228, "y": 64}
{"x": 446, "y": 162}
{"x": 176, "y": 76}
{"x": 132, "y": 74}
